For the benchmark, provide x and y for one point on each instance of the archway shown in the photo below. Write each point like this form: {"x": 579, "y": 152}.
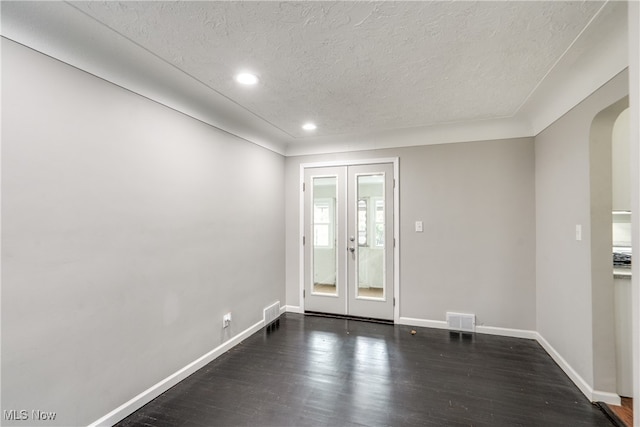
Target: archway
{"x": 602, "y": 286}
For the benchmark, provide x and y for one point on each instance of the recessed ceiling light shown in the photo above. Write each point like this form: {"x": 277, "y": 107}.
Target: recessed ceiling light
{"x": 247, "y": 78}
{"x": 309, "y": 126}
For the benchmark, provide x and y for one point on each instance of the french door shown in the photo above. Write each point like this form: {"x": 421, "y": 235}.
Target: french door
{"x": 348, "y": 240}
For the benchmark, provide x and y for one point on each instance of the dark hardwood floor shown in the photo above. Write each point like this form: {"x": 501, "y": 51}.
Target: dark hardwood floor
{"x": 315, "y": 371}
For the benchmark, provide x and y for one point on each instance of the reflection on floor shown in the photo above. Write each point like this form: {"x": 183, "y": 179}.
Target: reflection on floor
{"x": 319, "y": 288}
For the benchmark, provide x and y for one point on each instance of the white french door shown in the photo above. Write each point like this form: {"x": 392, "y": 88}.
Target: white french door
{"x": 349, "y": 240}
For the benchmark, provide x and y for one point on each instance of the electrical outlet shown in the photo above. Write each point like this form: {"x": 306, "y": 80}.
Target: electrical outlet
{"x": 226, "y": 320}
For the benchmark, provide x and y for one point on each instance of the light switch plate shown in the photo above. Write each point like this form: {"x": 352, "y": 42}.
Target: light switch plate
{"x": 578, "y": 232}
{"x": 418, "y": 226}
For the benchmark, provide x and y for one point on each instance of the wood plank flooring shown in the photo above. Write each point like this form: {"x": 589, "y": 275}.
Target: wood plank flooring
{"x": 315, "y": 371}
{"x": 624, "y": 412}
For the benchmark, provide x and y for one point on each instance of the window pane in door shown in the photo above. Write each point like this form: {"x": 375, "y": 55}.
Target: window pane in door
{"x": 324, "y": 232}
{"x": 371, "y": 238}
{"x": 379, "y": 230}
{"x": 362, "y": 222}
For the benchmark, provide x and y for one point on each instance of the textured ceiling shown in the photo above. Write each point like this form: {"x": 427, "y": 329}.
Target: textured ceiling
{"x": 355, "y": 67}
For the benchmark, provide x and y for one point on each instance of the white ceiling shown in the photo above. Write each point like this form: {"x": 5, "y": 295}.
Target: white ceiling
{"x": 354, "y": 66}
{"x": 369, "y": 74}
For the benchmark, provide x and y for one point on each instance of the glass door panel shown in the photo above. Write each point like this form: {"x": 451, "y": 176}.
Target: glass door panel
{"x": 325, "y": 191}
{"x": 348, "y": 240}
{"x": 325, "y": 232}
{"x": 370, "y": 223}
{"x": 371, "y": 231}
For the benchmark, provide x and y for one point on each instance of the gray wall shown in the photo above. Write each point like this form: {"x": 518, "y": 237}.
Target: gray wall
{"x": 477, "y": 251}
{"x": 128, "y": 230}
{"x": 571, "y": 312}
{"x": 621, "y": 159}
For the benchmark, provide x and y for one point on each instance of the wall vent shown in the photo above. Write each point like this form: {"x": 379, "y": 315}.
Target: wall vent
{"x": 271, "y": 313}
{"x": 461, "y": 322}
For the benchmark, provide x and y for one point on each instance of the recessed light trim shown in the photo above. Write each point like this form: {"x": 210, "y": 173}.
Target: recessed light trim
{"x": 309, "y": 126}
{"x": 247, "y": 79}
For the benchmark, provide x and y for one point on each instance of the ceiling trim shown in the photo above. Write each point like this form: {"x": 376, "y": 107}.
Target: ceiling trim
{"x": 410, "y": 137}
{"x": 47, "y": 27}
{"x": 598, "y": 55}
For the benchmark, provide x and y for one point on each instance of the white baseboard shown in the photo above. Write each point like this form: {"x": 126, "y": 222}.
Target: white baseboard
{"x": 585, "y": 388}
{"x": 156, "y": 390}
{"x": 423, "y": 323}
{"x": 491, "y": 330}
{"x": 293, "y": 309}
{"x": 507, "y": 332}
{"x": 606, "y": 397}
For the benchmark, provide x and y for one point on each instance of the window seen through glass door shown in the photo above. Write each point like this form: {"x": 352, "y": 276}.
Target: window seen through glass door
{"x": 324, "y": 235}
{"x": 371, "y": 236}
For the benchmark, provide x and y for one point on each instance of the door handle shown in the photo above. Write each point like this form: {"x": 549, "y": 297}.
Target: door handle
{"x": 352, "y": 249}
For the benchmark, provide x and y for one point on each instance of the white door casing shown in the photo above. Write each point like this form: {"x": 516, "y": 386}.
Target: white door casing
{"x": 350, "y": 251}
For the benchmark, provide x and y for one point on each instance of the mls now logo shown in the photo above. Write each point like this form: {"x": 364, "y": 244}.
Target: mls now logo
{"x": 23, "y": 415}
{"x": 16, "y": 415}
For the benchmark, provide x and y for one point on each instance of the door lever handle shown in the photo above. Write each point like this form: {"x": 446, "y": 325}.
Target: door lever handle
{"x": 352, "y": 249}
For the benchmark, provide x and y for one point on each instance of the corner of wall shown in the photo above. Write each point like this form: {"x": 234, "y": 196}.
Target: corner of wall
{"x": 585, "y": 388}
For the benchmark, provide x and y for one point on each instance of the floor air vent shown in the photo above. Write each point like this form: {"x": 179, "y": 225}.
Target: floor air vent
{"x": 461, "y": 322}
{"x": 271, "y": 313}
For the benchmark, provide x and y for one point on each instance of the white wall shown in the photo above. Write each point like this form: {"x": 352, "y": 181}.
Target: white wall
{"x": 128, "y": 230}
{"x": 624, "y": 335}
{"x": 477, "y": 251}
{"x": 634, "y": 140}
{"x": 565, "y": 305}
{"x": 621, "y": 179}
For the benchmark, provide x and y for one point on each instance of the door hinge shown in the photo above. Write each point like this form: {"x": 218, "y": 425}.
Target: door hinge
{"x": 394, "y": 183}
{"x": 303, "y": 186}
{"x": 304, "y": 241}
{"x": 394, "y": 301}
{"x": 394, "y": 242}
{"x": 304, "y": 293}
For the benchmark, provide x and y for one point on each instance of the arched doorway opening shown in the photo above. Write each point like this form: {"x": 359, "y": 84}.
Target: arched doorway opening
{"x": 610, "y": 216}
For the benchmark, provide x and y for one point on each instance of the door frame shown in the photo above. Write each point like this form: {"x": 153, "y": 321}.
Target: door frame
{"x": 396, "y": 222}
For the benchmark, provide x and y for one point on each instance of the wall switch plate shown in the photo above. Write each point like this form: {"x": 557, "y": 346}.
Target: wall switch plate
{"x": 226, "y": 320}
{"x": 578, "y": 232}
{"x": 418, "y": 226}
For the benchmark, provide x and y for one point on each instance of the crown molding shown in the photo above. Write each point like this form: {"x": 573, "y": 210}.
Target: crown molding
{"x": 410, "y": 137}
{"x": 61, "y": 31}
